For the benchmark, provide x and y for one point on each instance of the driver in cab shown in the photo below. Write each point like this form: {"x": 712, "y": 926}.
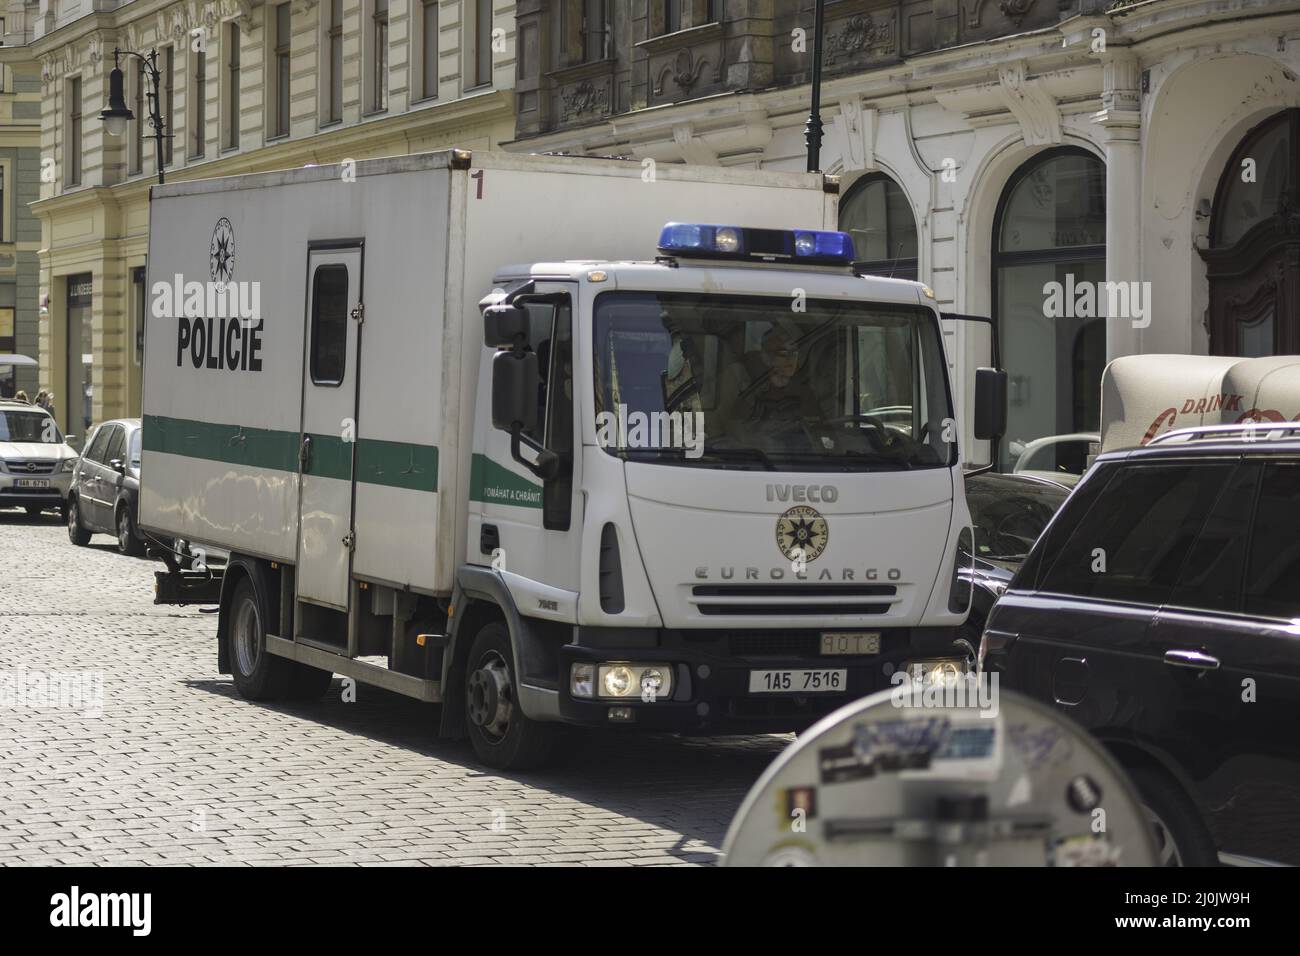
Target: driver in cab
{"x": 774, "y": 394}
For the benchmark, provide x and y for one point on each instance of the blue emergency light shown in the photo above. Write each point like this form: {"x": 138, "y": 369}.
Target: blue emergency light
{"x": 811, "y": 247}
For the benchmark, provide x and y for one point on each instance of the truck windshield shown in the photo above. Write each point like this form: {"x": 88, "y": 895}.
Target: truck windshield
{"x": 760, "y": 383}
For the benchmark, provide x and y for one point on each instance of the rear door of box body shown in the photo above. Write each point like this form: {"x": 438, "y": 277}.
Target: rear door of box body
{"x": 329, "y": 408}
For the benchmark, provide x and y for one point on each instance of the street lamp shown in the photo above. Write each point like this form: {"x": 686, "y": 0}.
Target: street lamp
{"x": 118, "y": 113}
{"x": 812, "y": 132}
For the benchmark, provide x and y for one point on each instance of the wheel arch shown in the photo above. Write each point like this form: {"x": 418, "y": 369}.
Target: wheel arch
{"x": 258, "y": 571}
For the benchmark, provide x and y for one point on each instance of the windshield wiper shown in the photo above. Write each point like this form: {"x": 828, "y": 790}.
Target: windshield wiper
{"x": 753, "y": 453}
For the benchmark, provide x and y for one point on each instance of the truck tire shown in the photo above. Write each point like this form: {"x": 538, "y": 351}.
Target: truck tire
{"x": 502, "y": 736}
{"x": 258, "y": 675}
{"x": 1180, "y": 833}
{"x": 77, "y": 534}
{"x": 127, "y": 541}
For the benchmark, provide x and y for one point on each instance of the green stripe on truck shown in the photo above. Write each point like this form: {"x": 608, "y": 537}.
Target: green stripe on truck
{"x": 491, "y": 483}
{"x": 390, "y": 463}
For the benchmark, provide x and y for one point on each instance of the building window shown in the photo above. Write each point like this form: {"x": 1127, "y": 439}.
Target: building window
{"x": 136, "y": 159}
{"x": 875, "y": 211}
{"x": 279, "y": 71}
{"x": 72, "y": 147}
{"x": 595, "y": 29}
{"x": 672, "y": 15}
{"x": 379, "y": 56}
{"x": 230, "y": 95}
{"x": 482, "y": 72}
{"x": 333, "y": 65}
{"x": 198, "y": 105}
{"x": 1252, "y": 260}
{"x": 2, "y": 206}
{"x": 1049, "y": 244}
{"x": 427, "y": 53}
{"x": 169, "y": 100}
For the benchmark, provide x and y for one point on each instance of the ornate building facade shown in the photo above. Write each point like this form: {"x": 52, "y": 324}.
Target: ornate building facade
{"x": 247, "y": 85}
{"x": 995, "y": 149}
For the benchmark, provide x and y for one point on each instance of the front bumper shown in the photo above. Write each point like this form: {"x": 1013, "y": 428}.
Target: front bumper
{"x": 53, "y": 495}
{"x": 711, "y": 673}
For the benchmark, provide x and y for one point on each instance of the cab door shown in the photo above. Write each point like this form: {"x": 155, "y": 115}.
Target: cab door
{"x": 531, "y": 527}
{"x": 329, "y": 405}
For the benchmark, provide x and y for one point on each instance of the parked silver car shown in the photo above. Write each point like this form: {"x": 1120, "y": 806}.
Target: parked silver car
{"x": 35, "y": 461}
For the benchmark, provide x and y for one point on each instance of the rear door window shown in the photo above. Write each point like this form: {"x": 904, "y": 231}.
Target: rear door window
{"x": 116, "y": 444}
{"x": 1273, "y": 572}
{"x": 1212, "y": 574}
{"x": 1134, "y": 540}
{"x": 99, "y": 444}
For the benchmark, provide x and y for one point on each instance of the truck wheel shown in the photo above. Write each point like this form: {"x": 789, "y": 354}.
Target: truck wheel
{"x": 258, "y": 675}
{"x": 76, "y": 533}
{"x": 502, "y": 736}
{"x": 127, "y": 542}
{"x": 1180, "y": 834}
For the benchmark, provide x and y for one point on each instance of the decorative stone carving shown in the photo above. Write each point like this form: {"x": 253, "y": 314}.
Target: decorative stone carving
{"x": 585, "y": 97}
{"x": 858, "y": 35}
{"x": 1015, "y": 10}
{"x": 684, "y": 69}
{"x": 1033, "y": 107}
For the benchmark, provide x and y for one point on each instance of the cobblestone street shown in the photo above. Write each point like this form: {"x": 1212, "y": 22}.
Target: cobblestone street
{"x": 178, "y": 770}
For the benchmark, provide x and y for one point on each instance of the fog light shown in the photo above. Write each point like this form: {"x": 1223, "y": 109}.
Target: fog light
{"x": 621, "y": 714}
{"x": 628, "y": 679}
{"x": 617, "y": 682}
{"x": 582, "y": 680}
{"x": 652, "y": 683}
{"x": 945, "y": 672}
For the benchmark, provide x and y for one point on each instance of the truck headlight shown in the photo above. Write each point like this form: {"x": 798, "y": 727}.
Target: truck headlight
{"x": 622, "y": 681}
{"x": 944, "y": 672}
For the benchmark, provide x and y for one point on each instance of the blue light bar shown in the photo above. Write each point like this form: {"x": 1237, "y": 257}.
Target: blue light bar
{"x": 805, "y": 246}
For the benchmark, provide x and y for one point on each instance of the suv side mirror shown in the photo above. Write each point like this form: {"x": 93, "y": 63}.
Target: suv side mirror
{"x": 118, "y": 466}
{"x": 990, "y": 403}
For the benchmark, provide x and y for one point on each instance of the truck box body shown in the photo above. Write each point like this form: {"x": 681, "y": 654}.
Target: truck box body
{"x": 422, "y": 237}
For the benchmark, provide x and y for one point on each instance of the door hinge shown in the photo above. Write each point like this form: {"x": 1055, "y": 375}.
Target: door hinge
{"x": 350, "y": 540}
{"x": 359, "y": 313}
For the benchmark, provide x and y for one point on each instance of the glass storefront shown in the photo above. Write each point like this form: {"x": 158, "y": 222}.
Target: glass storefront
{"x": 1050, "y": 246}
{"x": 79, "y": 359}
{"x": 876, "y": 213}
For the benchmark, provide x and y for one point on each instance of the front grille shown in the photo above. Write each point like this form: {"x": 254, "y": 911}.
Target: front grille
{"x": 763, "y": 600}
{"x": 794, "y": 590}
{"x": 30, "y": 466}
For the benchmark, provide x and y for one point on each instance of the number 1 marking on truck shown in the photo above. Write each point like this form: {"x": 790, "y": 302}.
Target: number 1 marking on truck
{"x": 478, "y": 174}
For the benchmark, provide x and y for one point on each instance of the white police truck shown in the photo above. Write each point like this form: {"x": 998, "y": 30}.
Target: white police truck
{"x": 706, "y": 479}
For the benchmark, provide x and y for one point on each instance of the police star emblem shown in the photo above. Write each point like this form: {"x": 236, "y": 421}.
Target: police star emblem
{"x": 802, "y": 532}
{"x": 221, "y": 252}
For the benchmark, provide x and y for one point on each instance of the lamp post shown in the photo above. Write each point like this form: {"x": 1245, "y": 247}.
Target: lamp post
{"x": 812, "y": 132}
{"x": 118, "y": 113}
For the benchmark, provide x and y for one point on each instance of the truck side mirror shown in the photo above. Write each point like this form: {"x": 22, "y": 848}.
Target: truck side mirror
{"x": 515, "y": 380}
{"x": 990, "y": 403}
{"x": 504, "y": 326}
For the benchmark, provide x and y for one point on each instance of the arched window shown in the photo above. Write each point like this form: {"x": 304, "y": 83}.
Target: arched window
{"x": 1049, "y": 242}
{"x": 1253, "y": 262}
{"x": 878, "y": 216}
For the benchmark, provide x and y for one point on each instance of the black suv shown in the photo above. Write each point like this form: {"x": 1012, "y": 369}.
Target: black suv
{"x": 1161, "y": 610}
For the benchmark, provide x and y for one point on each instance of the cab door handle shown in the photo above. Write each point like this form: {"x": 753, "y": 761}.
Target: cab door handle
{"x": 1193, "y": 660}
